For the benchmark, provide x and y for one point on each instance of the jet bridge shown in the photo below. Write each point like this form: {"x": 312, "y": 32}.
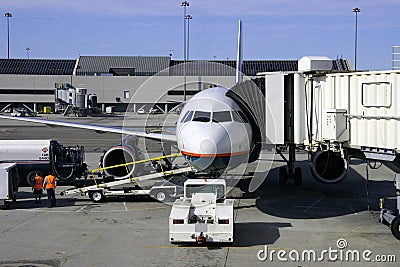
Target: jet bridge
{"x": 335, "y": 116}
{"x": 69, "y": 99}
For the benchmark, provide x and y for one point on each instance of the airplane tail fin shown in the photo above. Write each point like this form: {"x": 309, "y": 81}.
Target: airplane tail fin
{"x": 239, "y": 57}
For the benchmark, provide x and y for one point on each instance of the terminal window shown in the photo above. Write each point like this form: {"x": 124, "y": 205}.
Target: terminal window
{"x": 126, "y": 94}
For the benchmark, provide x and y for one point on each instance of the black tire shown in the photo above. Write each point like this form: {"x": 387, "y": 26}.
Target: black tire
{"x": 298, "y": 177}
{"x": 30, "y": 177}
{"x": 283, "y": 175}
{"x": 395, "y": 227}
{"x": 96, "y": 196}
{"x": 161, "y": 196}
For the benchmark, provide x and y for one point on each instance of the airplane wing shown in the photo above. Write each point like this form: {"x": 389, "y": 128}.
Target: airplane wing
{"x": 98, "y": 128}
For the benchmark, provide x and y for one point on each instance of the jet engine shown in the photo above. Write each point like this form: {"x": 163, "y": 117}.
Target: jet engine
{"x": 123, "y": 153}
{"x": 328, "y": 167}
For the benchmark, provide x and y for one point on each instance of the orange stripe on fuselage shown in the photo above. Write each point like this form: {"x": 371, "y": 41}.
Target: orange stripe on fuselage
{"x": 213, "y": 155}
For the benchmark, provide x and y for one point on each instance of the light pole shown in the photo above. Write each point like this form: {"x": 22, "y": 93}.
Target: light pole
{"x": 184, "y": 4}
{"x": 27, "y": 51}
{"x": 8, "y": 16}
{"x": 355, "y": 10}
{"x": 188, "y": 17}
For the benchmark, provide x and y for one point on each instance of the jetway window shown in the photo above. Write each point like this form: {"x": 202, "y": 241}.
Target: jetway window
{"x": 239, "y": 116}
{"x": 221, "y": 116}
{"x": 201, "y": 116}
{"x": 377, "y": 94}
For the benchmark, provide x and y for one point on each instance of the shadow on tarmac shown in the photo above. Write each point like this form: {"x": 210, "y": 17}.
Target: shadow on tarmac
{"x": 314, "y": 200}
{"x": 267, "y": 233}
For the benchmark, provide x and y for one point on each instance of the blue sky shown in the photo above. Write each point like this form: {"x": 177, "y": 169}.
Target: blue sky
{"x": 283, "y": 29}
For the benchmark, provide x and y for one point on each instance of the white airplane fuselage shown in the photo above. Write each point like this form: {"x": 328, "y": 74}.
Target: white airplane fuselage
{"x": 212, "y": 132}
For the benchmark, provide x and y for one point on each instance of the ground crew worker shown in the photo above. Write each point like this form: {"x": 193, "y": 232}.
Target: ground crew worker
{"x": 49, "y": 185}
{"x": 37, "y": 188}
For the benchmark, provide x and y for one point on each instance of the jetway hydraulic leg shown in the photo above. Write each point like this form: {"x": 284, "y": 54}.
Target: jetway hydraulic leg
{"x": 389, "y": 217}
{"x": 289, "y": 171}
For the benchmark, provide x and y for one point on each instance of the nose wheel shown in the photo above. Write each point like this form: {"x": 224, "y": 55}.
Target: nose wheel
{"x": 284, "y": 176}
{"x": 289, "y": 172}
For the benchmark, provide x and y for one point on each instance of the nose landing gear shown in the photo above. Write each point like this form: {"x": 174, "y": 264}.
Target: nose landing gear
{"x": 289, "y": 171}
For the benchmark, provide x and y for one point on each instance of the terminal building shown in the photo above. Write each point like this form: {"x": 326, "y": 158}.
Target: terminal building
{"x": 121, "y": 81}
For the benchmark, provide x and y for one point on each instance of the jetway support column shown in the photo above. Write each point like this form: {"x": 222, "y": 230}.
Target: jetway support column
{"x": 292, "y": 159}
{"x": 289, "y": 172}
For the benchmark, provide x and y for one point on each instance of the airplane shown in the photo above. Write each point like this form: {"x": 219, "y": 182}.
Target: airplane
{"x": 214, "y": 133}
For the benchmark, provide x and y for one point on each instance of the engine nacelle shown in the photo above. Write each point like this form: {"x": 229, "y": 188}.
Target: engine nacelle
{"x": 123, "y": 153}
{"x": 328, "y": 167}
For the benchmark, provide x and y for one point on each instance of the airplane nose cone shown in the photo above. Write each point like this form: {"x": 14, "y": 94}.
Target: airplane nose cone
{"x": 208, "y": 146}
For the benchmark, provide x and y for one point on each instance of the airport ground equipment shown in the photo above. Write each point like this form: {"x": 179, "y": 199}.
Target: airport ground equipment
{"x": 392, "y": 217}
{"x": 203, "y": 214}
{"x": 41, "y": 156}
{"x": 99, "y": 191}
{"x": 69, "y": 99}
{"x": 7, "y": 186}
{"x": 162, "y": 191}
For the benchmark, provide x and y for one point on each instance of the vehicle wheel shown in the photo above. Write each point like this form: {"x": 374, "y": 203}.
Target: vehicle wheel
{"x": 395, "y": 227}
{"x": 298, "y": 177}
{"x": 161, "y": 196}
{"x": 30, "y": 177}
{"x": 97, "y": 196}
{"x": 283, "y": 175}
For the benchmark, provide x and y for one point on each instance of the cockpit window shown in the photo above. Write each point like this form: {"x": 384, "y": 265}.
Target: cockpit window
{"x": 187, "y": 117}
{"x": 184, "y": 116}
{"x": 201, "y": 116}
{"x": 239, "y": 116}
{"x": 221, "y": 116}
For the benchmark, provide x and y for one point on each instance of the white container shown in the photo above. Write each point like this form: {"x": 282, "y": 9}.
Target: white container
{"x": 110, "y": 109}
{"x": 23, "y": 150}
{"x": 334, "y": 125}
{"x": 6, "y": 182}
{"x": 314, "y": 63}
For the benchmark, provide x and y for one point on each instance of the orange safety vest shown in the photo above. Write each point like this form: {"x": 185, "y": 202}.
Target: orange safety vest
{"x": 38, "y": 182}
{"x": 50, "y": 181}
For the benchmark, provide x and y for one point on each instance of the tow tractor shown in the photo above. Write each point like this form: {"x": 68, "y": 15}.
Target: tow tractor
{"x": 203, "y": 214}
{"x": 160, "y": 191}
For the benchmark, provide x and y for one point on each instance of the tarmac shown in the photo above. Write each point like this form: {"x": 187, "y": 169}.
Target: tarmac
{"x": 286, "y": 223}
